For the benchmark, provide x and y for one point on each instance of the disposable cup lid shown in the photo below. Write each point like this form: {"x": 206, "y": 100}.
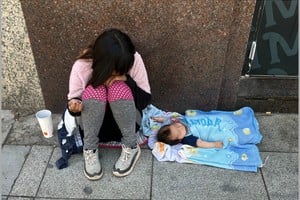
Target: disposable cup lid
{"x": 43, "y": 113}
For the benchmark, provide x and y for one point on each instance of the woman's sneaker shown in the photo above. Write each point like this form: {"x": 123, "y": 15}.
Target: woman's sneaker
{"x": 92, "y": 166}
{"x": 126, "y": 161}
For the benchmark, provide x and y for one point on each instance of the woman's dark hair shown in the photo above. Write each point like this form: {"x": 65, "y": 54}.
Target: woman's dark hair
{"x": 163, "y": 135}
{"x": 113, "y": 51}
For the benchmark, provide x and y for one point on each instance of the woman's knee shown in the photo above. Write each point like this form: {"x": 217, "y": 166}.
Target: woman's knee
{"x": 119, "y": 90}
{"x": 98, "y": 93}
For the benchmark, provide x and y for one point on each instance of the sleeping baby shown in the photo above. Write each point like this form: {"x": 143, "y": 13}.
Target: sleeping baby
{"x": 178, "y": 132}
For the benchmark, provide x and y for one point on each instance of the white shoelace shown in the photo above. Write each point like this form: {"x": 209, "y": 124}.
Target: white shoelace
{"x": 90, "y": 157}
{"x": 125, "y": 153}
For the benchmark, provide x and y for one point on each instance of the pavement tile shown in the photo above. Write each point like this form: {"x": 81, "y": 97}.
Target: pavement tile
{"x": 173, "y": 180}
{"x": 281, "y": 175}
{"x": 28, "y": 182}
{"x": 278, "y": 129}
{"x": 14, "y": 157}
{"x": 26, "y": 131}
{"x": 33, "y": 177}
{"x": 7, "y": 121}
{"x": 71, "y": 182}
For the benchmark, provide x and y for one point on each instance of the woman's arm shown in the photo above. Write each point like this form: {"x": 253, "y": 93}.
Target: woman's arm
{"x": 139, "y": 74}
{"x": 80, "y": 75}
{"x": 137, "y": 80}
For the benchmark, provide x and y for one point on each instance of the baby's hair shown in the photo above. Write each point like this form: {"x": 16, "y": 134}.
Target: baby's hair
{"x": 163, "y": 135}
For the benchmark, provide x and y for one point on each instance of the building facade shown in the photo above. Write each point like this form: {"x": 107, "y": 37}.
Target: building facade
{"x": 198, "y": 54}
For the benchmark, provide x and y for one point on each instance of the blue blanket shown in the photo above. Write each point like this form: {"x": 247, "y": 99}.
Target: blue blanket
{"x": 239, "y": 131}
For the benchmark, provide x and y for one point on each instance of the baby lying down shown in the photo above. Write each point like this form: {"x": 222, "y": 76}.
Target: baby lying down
{"x": 178, "y": 132}
{"x": 227, "y": 139}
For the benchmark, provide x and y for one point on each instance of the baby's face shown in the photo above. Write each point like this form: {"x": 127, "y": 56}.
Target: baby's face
{"x": 178, "y": 131}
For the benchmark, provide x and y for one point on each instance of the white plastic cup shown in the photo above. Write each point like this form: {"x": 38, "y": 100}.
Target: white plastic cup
{"x": 44, "y": 118}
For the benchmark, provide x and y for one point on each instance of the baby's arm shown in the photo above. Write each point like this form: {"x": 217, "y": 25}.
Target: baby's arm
{"x": 158, "y": 119}
{"x": 163, "y": 119}
{"x": 205, "y": 144}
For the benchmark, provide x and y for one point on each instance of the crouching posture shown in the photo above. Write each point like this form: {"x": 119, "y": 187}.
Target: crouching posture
{"x": 109, "y": 74}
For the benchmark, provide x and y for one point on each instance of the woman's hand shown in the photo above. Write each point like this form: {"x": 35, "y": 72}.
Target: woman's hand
{"x": 75, "y": 105}
{"x": 114, "y": 78}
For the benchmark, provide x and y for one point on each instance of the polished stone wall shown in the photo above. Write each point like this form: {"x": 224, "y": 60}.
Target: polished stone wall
{"x": 193, "y": 50}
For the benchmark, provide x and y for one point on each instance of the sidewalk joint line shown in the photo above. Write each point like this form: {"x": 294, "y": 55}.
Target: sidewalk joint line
{"x": 26, "y": 157}
{"x": 265, "y": 184}
{"x": 37, "y": 191}
{"x": 151, "y": 182}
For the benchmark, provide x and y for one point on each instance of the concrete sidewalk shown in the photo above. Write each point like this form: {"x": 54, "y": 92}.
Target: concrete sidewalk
{"x": 29, "y": 171}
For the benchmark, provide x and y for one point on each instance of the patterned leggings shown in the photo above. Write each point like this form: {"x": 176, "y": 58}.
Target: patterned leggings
{"x": 121, "y": 102}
